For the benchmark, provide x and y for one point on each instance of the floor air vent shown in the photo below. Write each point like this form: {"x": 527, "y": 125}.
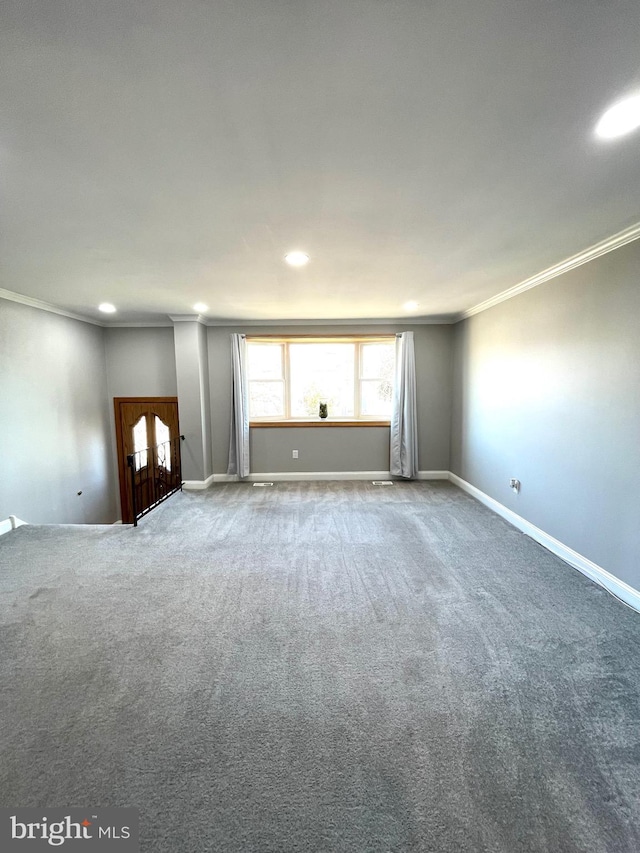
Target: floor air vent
{"x": 382, "y": 482}
{"x": 262, "y": 485}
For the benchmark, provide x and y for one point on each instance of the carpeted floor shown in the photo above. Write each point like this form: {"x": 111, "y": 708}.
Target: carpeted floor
{"x": 320, "y": 667}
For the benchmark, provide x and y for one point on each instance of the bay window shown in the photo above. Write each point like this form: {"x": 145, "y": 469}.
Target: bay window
{"x": 290, "y": 377}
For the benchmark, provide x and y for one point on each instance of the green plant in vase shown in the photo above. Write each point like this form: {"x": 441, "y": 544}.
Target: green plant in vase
{"x": 324, "y": 409}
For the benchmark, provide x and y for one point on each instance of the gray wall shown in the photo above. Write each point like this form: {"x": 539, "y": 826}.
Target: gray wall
{"x": 140, "y": 362}
{"x": 54, "y": 419}
{"x": 205, "y": 397}
{"x": 332, "y": 448}
{"x": 192, "y": 368}
{"x": 320, "y": 449}
{"x": 547, "y": 389}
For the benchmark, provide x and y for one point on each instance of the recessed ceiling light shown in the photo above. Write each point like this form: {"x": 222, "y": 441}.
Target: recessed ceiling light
{"x": 619, "y": 119}
{"x": 410, "y": 306}
{"x": 107, "y": 308}
{"x": 200, "y": 307}
{"x": 296, "y": 259}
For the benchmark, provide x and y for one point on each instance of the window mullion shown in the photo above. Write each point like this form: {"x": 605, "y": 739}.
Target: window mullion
{"x": 287, "y": 383}
{"x": 357, "y": 390}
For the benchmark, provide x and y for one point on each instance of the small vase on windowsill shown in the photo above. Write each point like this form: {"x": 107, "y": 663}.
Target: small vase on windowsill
{"x": 324, "y": 410}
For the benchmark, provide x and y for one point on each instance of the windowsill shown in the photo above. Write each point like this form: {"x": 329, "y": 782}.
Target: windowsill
{"x": 327, "y": 422}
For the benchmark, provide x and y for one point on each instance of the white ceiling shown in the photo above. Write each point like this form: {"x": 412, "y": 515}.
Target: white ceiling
{"x": 154, "y": 154}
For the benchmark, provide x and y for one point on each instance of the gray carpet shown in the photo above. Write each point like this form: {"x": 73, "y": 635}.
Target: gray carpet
{"x": 320, "y": 667}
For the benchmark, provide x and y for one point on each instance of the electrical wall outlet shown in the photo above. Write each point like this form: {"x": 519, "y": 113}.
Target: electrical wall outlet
{"x": 514, "y": 484}
{"x": 294, "y": 454}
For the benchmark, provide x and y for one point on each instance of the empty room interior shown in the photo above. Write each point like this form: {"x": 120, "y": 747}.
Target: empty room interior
{"x": 319, "y": 408}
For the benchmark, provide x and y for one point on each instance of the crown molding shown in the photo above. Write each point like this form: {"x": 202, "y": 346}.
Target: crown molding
{"x": 602, "y": 248}
{"x": 141, "y": 324}
{"x": 187, "y": 318}
{"x": 172, "y": 319}
{"x": 46, "y": 306}
{"x": 434, "y": 320}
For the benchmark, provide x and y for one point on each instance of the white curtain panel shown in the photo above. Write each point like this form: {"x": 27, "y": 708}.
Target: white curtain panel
{"x": 239, "y": 437}
{"x": 404, "y": 415}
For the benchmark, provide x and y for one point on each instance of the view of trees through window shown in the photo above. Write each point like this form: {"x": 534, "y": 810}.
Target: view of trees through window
{"x": 289, "y": 379}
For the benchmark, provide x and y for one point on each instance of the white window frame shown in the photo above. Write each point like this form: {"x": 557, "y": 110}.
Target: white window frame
{"x": 359, "y": 342}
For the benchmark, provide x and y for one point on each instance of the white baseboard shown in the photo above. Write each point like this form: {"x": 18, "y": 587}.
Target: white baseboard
{"x": 198, "y": 484}
{"x": 577, "y": 561}
{"x": 10, "y": 524}
{"x": 297, "y": 476}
